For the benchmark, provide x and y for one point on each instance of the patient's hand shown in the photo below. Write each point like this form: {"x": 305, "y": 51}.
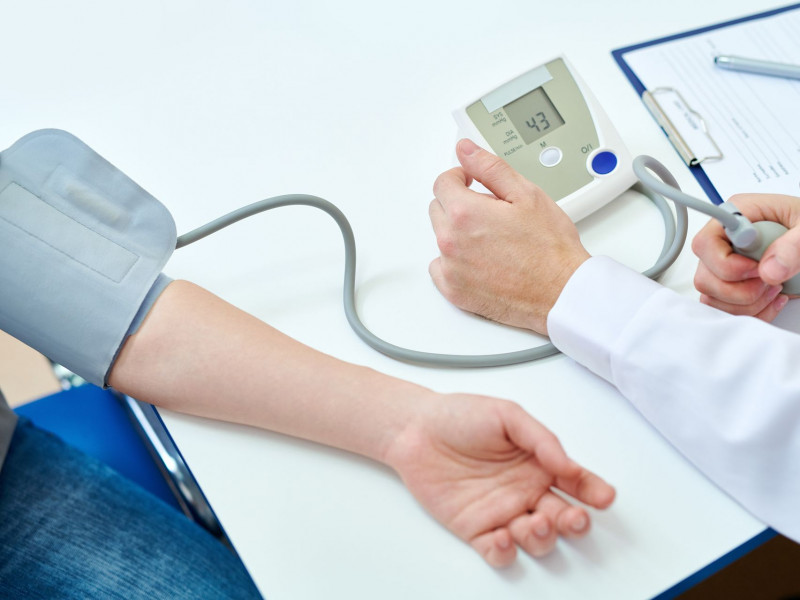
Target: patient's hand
{"x": 486, "y": 470}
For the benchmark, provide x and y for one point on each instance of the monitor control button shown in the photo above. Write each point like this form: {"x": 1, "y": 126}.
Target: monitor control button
{"x": 550, "y": 156}
{"x": 604, "y": 162}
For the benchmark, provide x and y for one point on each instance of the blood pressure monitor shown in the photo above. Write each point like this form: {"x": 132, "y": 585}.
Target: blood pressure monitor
{"x": 548, "y": 126}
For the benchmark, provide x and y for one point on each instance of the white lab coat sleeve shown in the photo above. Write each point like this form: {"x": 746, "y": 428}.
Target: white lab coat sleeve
{"x": 724, "y": 390}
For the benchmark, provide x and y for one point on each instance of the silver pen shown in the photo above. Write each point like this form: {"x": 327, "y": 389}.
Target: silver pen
{"x": 760, "y": 67}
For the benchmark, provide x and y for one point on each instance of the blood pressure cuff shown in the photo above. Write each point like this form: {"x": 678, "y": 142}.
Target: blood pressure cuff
{"x": 81, "y": 251}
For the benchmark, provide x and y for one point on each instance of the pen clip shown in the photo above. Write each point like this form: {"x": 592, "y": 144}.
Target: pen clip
{"x": 673, "y": 134}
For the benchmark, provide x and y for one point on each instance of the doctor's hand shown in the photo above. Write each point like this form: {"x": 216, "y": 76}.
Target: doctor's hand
{"x": 506, "y": 255}
{"x": 740, "y": 285}
{"x": 486, "y": 470}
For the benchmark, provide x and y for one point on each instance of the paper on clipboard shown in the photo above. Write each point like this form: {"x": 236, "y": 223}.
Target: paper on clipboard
{"x": 753, "y": 119}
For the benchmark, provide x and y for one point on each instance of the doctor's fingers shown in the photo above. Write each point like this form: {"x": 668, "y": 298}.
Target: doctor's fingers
{"x": 494, "y": 173}
{"x": 464, "y": 212}
{"x": 773, "y": 308}
{"x": 443, "y": 229}
{"x": 717, "y": 258}
{"x": 448, "y": 242}
{"x": 766, "y": 308}
{"x": 746, "y": 292}
{"x": 780, "y": 208}
{"x": 452, "y": 181}
{"x": 442, "y": 283}
{"x": 751, "y": 297}
{"x": 451, "y": 189}
{"x": 781, "y": 260}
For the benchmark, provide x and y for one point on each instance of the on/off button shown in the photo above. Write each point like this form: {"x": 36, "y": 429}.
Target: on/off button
{"x": 604, "y": 162}
{"x": 551, "y": 156}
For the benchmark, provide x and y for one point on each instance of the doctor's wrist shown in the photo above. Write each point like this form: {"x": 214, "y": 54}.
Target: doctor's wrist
{"x": 549, "y": 286}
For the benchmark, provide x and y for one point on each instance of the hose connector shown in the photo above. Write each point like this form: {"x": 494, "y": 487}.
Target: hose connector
{"x": 743, "y": 236}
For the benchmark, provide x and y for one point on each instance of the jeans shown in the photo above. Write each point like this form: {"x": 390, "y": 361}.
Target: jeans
{"x": 71, "y": 527}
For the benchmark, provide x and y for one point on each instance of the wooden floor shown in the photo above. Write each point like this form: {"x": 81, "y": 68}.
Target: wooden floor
{"x": 24, "y": 373}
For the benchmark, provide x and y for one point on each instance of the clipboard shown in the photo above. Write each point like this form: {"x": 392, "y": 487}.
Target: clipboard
{"x": 653, "y": 100}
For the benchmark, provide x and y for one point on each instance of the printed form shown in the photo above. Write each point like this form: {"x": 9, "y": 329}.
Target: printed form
{"x": 753, "y": 119}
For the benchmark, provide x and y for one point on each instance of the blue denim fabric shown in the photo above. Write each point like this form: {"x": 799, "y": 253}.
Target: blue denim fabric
{"x": 71, "y": 527}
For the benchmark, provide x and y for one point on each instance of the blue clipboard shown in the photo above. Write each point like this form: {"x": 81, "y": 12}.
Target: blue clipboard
{"x": 619, "y": 56}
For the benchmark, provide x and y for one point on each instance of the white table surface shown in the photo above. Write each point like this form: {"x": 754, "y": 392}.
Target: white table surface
{"x": 212, "y": 105}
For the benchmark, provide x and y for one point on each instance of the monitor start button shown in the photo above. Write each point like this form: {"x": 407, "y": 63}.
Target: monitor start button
{"x": 604, "y": 162}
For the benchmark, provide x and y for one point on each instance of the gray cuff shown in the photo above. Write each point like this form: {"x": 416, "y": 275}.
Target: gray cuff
{"x": 83, "y": 248}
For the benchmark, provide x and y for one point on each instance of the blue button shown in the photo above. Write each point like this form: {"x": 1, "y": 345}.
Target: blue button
{"x": 604, "y": 162}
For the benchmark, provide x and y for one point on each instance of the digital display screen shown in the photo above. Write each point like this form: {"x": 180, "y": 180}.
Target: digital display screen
{"x": 533, "y": 115}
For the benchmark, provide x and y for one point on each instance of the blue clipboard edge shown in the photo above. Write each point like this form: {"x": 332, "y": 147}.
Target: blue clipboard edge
{"x": 717, "y": 565}
{"x": 619, "y": 57}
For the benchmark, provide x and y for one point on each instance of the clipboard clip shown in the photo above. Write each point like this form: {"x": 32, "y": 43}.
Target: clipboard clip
{"x": 673, "y": 134}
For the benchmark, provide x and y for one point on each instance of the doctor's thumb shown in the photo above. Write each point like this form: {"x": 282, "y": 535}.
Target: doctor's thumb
{"x": 781, "y": 261}
{"x": 490, "y": 170}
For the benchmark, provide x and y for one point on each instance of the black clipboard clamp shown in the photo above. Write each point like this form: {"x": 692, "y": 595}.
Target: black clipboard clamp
{"x": 653, "y": 100}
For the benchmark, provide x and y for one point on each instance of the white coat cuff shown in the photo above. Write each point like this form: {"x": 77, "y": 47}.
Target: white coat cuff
{"x": 599, "y": 300}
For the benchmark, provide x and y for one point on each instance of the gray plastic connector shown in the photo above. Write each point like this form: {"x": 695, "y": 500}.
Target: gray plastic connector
{"x": 744, "y": 236}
